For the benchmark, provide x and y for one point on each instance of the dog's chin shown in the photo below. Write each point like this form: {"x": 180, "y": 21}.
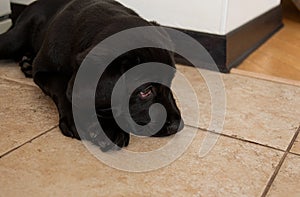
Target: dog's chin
{"x": 170, "y": 128}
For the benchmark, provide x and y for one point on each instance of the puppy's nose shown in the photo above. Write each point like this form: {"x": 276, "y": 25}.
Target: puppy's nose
{"x": 174, "y": 127}
{"x": 181, "y": 125}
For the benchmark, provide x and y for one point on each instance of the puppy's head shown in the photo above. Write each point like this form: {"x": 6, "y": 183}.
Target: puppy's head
{"x": 145, "y": 95}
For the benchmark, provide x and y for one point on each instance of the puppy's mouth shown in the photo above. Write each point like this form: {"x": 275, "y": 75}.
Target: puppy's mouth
{"x": 146, "y": 93}
{"x": 148, "y": 130}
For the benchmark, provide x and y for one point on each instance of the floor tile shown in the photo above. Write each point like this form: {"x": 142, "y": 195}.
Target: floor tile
{"x": 296, "y": 146}
{"x": 25, "y": 112}
{"x": 287, "y": 181}
{"x": 192, "y": 97}
{"x": 54, "y": 165}
{"x": 256, "y": 110}
{"x": 265, "y": 112}
{"x": 10, "y": 70}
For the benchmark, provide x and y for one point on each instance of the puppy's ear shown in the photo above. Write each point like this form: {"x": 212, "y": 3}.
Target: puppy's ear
{"x": 164, "y": 35}
{"x": 69, "y": 90}
{"x": 94, "y": 55}
{"x": 79, "y": 58}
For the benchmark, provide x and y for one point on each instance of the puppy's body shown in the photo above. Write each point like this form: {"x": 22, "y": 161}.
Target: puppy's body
{"x": 56, "y": 35}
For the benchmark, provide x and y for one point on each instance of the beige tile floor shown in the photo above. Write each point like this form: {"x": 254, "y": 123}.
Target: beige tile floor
{"x": 257, "y": 153}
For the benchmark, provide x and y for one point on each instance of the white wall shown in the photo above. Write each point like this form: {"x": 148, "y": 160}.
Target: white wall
{"x": 209, "y": 16}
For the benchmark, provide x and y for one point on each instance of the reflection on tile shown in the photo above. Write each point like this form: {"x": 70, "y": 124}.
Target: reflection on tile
{"x": 25, "y": 112}
{"x": 11, "y": 71}
{"x": 287, "y": 180}
{"x": 257, "y": 110}
{"x": 60, "y": 166}
{"x": 296, "y": 146}
{"x": 264, "y": 111}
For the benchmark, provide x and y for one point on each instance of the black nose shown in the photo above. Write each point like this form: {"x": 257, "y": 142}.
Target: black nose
{"x": 170, "y": 128}
{"x": 174, "y": 127}
{"x": 181, "y": 125}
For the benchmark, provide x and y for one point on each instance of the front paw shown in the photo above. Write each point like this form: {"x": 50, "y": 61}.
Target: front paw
{"x": 68, "y": 128}
{"x": 112, "y": 141}
{"x": 26, "y": 66}
{"x": 112, "y": 138}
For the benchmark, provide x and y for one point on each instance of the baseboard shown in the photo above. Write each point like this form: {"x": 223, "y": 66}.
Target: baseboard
{"x": 230, "y": 50}
{"x": 214, "y": 44}
{"x": 244, "y": 40}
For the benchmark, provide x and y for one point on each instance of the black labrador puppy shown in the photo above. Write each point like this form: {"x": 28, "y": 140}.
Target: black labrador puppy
{"x": 51, "y": 38}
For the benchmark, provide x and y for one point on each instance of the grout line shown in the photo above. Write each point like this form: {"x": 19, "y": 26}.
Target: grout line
{"x": 278, "y": 167}
{"x": 17, "y": 81}
{"x": 296, "y": 154}
{"x": 265, "y": 77}
{"x": 28, "y": 141}
{"x": 236, "y": 138}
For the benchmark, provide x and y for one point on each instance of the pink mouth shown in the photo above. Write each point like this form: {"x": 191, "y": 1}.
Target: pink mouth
{"x": 144, "y": 95}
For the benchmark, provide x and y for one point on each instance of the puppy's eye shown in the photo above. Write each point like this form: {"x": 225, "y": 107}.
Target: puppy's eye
{"x": 147, "y": 92}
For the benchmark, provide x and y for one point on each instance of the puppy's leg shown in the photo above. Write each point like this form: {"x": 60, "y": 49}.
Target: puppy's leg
{"x": 117, "y": 136}
{"x": 13, "y": 43}
{"x": 55, "y": 85}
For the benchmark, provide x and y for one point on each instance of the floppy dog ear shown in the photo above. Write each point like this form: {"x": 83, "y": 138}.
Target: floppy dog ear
{"x": 76, "y": 64}
{"x": 94, "y": 57}
{"x": 69, "y": 90}
{"x": 166, "y": 37}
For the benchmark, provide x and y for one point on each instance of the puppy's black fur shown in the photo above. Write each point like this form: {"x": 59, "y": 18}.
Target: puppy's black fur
{"x": 52, "y": 37}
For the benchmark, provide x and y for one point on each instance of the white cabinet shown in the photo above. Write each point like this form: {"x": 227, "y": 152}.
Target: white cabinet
{"x": 210, "y": 16}
{"x": 5, "y": 22}
{"x": 242, "y": 11}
